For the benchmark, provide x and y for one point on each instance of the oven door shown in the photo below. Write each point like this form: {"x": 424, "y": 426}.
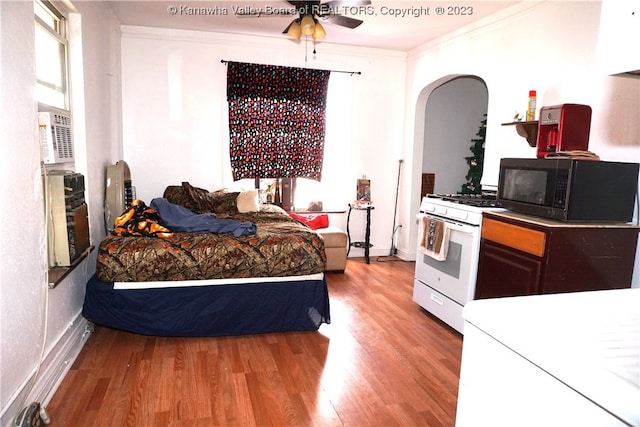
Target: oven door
{"x": 454, "y": 277}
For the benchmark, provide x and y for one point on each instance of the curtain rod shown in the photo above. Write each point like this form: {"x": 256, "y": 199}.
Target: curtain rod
{"x": 224, "y": 61}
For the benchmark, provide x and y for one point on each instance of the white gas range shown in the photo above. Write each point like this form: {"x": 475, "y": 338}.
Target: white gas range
{"x": 443, "y": 287}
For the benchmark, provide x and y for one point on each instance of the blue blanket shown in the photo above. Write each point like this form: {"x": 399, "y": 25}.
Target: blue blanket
{"x": 180, "y": 219}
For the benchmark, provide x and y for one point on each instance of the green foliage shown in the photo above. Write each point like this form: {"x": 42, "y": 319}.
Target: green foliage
{"x": 475, "y": 161}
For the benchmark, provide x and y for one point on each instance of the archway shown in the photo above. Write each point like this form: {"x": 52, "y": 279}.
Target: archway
{"x": 453, "y": 114}
{"x": 447, "y": 117}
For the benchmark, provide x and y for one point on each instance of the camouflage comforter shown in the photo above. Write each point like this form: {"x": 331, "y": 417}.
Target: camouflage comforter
{"x": 281, "y": 247}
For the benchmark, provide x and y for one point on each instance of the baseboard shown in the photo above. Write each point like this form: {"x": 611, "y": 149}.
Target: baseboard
{"x": 55, "y": 366}
{"x": 359, "y": 252}
{"x": 406, "y": 256}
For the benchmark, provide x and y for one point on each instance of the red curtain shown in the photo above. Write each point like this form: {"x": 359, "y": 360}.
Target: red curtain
{"x": 276, "y": 120}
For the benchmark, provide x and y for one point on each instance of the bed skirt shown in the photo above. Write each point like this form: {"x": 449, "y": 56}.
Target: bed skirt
{"x": 210, "y": 310}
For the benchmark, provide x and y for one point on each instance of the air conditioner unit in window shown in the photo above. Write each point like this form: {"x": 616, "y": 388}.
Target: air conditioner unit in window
{"x": 56, "y": 142}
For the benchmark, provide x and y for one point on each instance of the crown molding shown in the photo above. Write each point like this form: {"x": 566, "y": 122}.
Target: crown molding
{"x": 261, "y": 42}
{"x": 486, "y": 24}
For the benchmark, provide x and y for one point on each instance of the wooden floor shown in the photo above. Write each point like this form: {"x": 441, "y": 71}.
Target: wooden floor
{"x": 381, "y": 362}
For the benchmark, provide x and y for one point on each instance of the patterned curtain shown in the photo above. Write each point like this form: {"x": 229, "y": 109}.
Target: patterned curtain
{"x": 276, "y": 120}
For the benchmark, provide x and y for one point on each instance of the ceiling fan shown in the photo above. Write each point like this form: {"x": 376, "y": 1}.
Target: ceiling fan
{"x": 311, "y": 12}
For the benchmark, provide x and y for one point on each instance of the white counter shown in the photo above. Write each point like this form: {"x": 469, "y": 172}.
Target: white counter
{"x": 582, "y": 349}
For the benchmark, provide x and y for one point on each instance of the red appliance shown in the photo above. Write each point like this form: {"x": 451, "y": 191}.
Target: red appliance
{"x": 563, "y": 128}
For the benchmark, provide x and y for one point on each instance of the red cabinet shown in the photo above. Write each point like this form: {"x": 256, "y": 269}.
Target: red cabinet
{"x": 524, "y": 255}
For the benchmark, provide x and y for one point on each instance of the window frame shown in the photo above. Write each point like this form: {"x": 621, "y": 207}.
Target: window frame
{"x": 59, "y": 32}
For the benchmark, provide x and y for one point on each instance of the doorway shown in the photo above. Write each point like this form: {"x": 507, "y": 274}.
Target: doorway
{"x": 448, "y": 115}
{"x": 454, "y": 113}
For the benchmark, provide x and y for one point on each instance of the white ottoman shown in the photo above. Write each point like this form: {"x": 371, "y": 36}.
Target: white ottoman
{"x": 335, "y": 247}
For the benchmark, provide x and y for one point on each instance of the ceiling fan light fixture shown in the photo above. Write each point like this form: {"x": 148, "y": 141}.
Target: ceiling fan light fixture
{"x": 308, "y": 25}
{"x": 295, "y": 30}
{"x": 318, "y": 31}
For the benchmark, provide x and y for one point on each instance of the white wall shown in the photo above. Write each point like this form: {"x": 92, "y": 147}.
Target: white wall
{"x": 23, "y": 270}
{"x": 175, "y": 124}
{"x": 535, "y": 45}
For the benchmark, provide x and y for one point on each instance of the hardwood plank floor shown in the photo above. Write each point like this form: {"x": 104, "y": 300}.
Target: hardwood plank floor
{"x": 381, "y": 361}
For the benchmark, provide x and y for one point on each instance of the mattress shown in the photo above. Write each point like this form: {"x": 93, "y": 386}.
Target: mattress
{"x": 281, "y": 247}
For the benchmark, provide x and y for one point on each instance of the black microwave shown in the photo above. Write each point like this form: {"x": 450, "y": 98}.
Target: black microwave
{"x": 569, "y": 189}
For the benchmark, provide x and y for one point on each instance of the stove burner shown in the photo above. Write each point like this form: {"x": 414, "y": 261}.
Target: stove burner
{"x": 478, "y": 200}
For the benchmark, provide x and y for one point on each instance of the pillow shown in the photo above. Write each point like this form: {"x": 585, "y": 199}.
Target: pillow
{"x": 248, "y": 201}
{"x": 177, "y": 195}
{"x": 271, "y": 208}
{"x": 220, "y": 202}
{"x": 199, "y": 200}
{"x": 314, "y": 222}
{"x": 223, "y": 202}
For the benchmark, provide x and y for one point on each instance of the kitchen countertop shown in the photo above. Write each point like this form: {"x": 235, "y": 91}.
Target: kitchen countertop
{"x": 589, "y": 341}
{"x": 545, "y": 222}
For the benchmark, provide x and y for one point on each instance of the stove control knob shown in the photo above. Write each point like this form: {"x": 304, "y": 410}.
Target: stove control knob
{"x": 441, "y": 210}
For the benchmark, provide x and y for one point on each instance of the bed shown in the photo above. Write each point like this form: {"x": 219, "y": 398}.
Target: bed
{"x": 212, "y": 284}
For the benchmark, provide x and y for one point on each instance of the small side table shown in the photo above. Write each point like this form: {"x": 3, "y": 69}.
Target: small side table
{"x": 367, "y": 234}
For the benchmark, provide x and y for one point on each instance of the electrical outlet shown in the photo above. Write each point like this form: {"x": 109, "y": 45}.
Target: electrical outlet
{"x": 29, "y": 416}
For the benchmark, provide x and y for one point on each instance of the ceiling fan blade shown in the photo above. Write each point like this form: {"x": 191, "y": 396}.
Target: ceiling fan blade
{"x": 302, "y": 3}
{"x": 339, "y": 3}
{"x": 344, "y": 21}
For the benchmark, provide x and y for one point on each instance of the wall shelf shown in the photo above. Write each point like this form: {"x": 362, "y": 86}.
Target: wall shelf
{"x": 57, "y": 274}
{"x": 527, "y": 130}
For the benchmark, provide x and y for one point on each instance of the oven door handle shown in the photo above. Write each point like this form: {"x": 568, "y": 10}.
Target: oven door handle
{"x": 466, "y": 229}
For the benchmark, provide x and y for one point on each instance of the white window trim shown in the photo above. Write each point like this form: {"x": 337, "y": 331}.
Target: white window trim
{"x": 62, "y": 36}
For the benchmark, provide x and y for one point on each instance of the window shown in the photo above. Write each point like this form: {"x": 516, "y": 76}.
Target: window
{"x": 337, "y": 187}
{"x": 335, "y": 190}
{"x": 51, "y": 56}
